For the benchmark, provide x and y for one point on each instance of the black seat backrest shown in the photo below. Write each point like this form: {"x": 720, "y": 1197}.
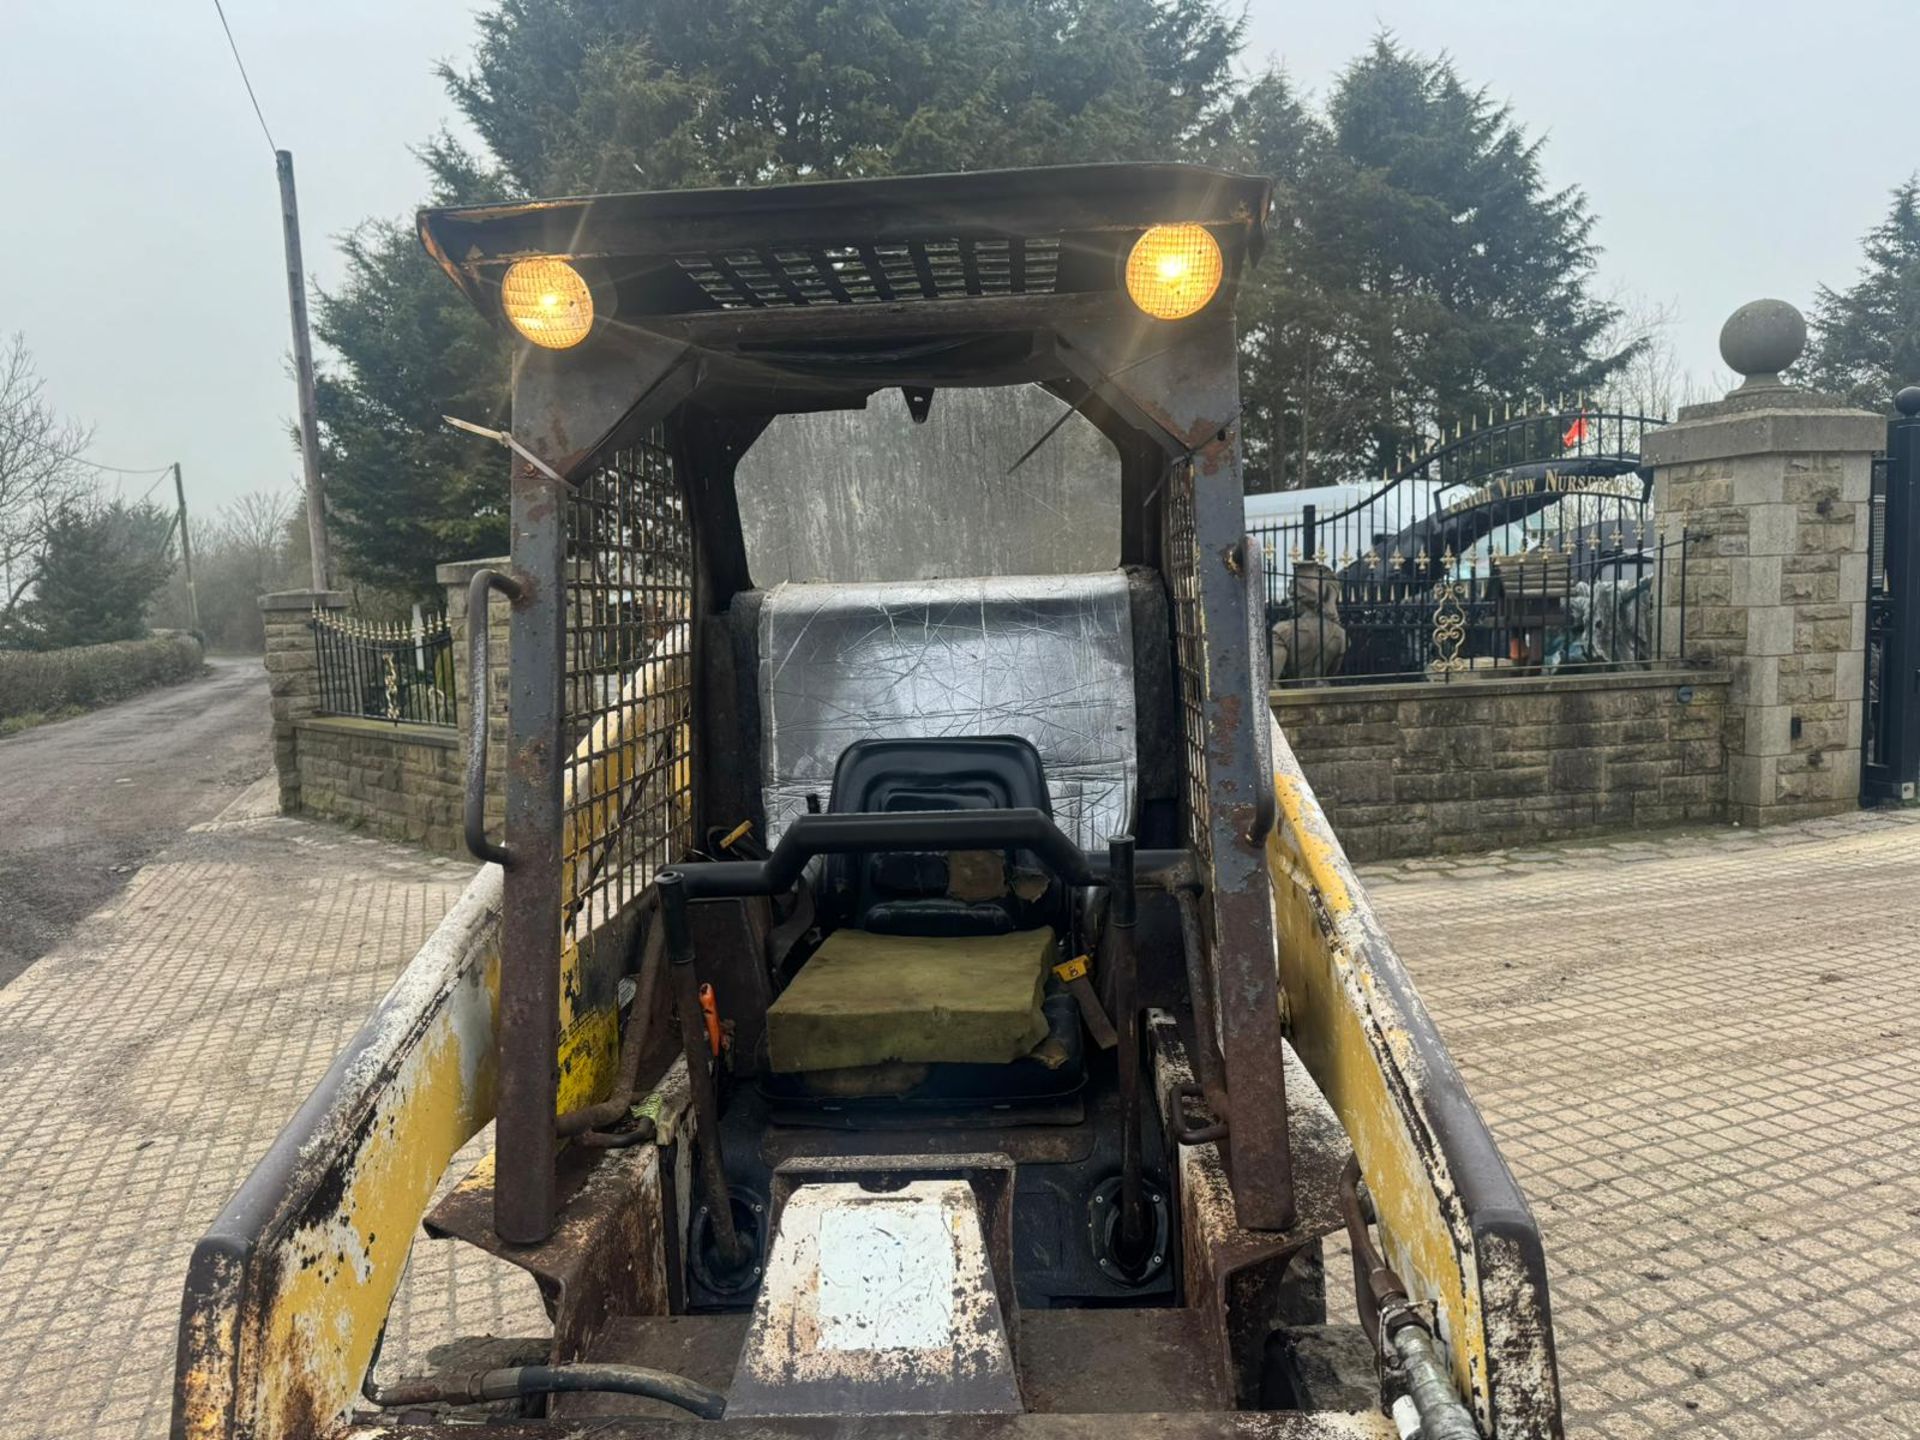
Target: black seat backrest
{"x": 925, "y": 893}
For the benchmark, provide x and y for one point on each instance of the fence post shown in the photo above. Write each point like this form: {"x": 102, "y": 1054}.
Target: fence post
{"x": 1766, "y": 491}
{"x": 293, "y": 676}
{"x": 456, "y": 577}
{"x": 1892, "y": 769}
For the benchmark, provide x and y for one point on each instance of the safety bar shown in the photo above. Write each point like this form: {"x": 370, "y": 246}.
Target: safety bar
{"x": 478, "y": 590}
{"x": 857, "y": 832}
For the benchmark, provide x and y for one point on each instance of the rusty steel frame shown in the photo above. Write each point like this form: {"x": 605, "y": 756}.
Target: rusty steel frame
{"x": 608, "y": 1256}
{"x": 1173, "y": 387}
{"x": 1183, "y": 391}
{"x": 551, "y": 407}
{"x": 1176, "y": 387}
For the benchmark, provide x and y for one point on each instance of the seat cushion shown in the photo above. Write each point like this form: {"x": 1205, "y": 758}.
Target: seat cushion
{"x": 866, "y": 999}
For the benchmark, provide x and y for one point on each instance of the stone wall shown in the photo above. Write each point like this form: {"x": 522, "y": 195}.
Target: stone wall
{"x": 403, "y": 782}
{"x": 1771, "y": 487}
{"x": 1420, "y": 769}
{"x": 293, "y": 677}
{"x": 399, "y": 781}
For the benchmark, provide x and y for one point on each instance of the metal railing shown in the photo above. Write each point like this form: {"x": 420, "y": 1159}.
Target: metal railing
{"x": 1544, "y": 609}
{"x": 397, "y": 671}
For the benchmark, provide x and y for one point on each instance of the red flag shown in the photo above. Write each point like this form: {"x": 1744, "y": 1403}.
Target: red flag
{"x": 1576, "y": 432}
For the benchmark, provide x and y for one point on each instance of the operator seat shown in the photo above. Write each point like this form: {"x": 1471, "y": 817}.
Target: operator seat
{"x": 1015, "y": 691}
{"x": 955, "y": 893}
{"x": 936, "y": 959}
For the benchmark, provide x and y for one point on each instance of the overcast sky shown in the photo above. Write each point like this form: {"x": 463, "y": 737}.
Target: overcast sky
{"x": 1731, "y": 148}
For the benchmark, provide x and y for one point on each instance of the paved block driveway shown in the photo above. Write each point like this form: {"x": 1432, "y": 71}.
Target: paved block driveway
{"x": 1701, "y": 1056}
{"x": 1698, "y": 1053}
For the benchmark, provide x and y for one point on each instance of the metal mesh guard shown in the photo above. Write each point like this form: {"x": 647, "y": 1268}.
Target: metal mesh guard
{"x": 629, "y": 683}
{"x": 854, "y": 274}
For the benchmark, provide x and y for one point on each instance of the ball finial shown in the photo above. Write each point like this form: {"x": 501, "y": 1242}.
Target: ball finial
{"x": 1761, "y": 339}
{"x": 1907, "y": 402}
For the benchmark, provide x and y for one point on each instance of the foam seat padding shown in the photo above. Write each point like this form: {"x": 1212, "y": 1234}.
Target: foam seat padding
{"x": 865, "y": 999}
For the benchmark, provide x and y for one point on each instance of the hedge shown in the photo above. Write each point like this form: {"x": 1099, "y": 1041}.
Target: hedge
{"x": 46, "y": 682}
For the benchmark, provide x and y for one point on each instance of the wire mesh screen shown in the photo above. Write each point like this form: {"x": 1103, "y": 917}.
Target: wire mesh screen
{"x": 1178, "y": 565}
{"x": 628, "y": 781}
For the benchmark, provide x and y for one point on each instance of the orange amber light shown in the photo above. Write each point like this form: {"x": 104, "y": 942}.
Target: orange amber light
{"x": 1174, "y": 270}
{"x": 547, "y": 302}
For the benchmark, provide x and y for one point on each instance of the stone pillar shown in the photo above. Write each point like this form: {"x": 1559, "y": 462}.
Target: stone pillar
{"x": 293, "y": 676}
{"x": 456, "y": 577}
{"x": 1771, "y": 486}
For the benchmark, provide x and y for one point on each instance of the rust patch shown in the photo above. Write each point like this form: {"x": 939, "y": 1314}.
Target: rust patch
{"x": 1228, "y": 708}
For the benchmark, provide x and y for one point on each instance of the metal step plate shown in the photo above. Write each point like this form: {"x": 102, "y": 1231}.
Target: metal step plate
{"x": 877, "y": 1303}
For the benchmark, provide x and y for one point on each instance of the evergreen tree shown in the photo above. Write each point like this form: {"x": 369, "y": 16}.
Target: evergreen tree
{"x": 1866, "y": 339}
{"x": 1421, "y": 269}
{"x": 101, "y": 567}
{"x": 581, "y": 96}
{"x": 404, "y": 489}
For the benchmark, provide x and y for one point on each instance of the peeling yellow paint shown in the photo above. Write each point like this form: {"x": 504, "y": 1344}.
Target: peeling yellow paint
{"x": 337, "y": 1275}
{"x": 1353, "y": 1042}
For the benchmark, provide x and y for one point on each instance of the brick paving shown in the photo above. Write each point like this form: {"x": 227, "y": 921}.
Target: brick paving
{"x": 149, "y": 1060}
{"x": 1700, "y": 1053}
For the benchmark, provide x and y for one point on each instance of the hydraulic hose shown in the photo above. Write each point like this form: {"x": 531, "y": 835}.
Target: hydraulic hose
{"x": 1442, "y": 1416}
{"x": 1389, "y": 1318}
{"x": 522, "y": 1380}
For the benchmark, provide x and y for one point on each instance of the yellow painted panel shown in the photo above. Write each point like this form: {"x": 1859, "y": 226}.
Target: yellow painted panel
{"x": 336, "y": 1276}
{"x": 1353, "y": 1041}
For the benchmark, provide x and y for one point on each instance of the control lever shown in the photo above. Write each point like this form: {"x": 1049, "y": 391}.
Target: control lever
{"x": 1122, "y": 909}
{"x": 729, "y": 1249}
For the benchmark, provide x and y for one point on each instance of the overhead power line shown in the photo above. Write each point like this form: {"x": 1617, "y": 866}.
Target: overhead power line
{"x": 220, "y": 10}
{"x": 122, "y": 469}
{"x": 24, "y": 437}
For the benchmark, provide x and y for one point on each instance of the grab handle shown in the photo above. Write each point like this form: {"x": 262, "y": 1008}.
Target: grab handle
{"x": 479, "y": 590}
{"x": 1266, "y": 805}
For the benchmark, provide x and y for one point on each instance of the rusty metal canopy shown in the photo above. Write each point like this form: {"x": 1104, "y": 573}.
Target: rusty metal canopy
{"x": 836, "y": 243}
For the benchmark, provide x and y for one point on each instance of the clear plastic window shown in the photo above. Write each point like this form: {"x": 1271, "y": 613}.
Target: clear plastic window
{"x": 847, "y": 495}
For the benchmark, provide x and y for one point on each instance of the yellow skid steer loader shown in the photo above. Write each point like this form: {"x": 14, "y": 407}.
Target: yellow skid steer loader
{"x": 914, "y": 989}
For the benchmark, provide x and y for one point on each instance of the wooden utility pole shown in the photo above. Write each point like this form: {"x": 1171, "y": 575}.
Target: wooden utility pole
{"x": 186, "y": 551}
{"x": 303, "y": 372}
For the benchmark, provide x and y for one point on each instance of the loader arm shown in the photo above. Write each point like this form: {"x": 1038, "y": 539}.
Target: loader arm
{"x": 1456, "y": 1227}
{"x": 288, "y": 1290}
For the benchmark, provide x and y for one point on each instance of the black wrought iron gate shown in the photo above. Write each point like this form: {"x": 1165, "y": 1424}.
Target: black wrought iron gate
{"x": 1890, "y": 717}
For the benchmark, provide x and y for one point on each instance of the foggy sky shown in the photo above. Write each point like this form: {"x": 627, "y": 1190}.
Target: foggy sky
{"x": 1731, "y": 150}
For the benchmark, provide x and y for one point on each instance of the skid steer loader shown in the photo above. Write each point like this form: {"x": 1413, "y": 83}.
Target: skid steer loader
{"x": 906, "y": 1005}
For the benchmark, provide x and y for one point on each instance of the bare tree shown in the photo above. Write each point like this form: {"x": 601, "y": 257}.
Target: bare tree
{"x": 1654, "y": 381}
{"x": 40, "y": 469}
{"x": 240, "y": 554}
{"x": 256, "y": 523}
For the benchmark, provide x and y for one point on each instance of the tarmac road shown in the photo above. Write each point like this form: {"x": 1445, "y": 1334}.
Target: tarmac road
{"x": 85, "y": 802}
